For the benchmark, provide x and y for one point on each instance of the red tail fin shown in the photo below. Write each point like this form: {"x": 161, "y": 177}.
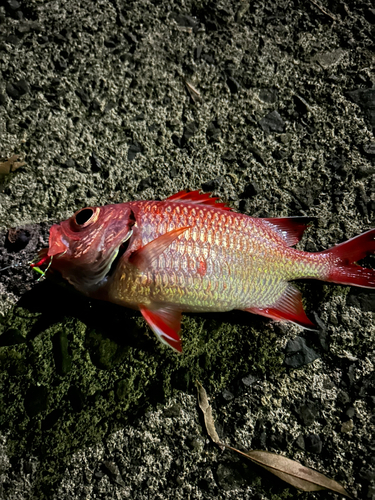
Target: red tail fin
{"x": 345, "y": 270}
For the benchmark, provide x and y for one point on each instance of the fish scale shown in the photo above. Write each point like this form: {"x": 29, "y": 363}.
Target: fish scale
{"x": 231, "y": 245}
{"x": 191, "y": 253}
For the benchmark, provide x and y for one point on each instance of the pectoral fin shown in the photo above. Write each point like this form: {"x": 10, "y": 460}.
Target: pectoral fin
{"x": 165, "y": 323}
{"x": 145, "y": 256}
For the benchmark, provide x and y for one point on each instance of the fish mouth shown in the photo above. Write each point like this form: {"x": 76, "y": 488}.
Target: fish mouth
{"x": 119, "y": 253}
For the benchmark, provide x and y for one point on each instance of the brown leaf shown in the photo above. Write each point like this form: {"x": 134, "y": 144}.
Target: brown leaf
{"x": 193, "y": 92}
{"x": 288, "y": 470}
{"x": 207, "y": 414}
{"x": 11, "y": 164}
{"x": 293, "y": 472}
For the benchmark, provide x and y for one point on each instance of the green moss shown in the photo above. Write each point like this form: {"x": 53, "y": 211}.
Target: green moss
{"x": 112, "y": 378}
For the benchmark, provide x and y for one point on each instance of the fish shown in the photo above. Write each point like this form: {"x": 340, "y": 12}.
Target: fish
{"x": 192, "y": 253}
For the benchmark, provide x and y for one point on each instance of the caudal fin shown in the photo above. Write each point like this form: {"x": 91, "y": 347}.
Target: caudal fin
{"x": 345, "y": 271}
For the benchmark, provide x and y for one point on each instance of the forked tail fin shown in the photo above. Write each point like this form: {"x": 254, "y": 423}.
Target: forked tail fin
{"x": 345, "y": 271}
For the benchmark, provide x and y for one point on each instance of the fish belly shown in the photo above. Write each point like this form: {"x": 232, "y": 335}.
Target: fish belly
{"x": 223, "y": 261}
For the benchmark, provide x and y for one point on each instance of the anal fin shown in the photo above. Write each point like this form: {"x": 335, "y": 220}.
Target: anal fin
{"x": 165, "y": 322}
{"x": 288, "y": 308}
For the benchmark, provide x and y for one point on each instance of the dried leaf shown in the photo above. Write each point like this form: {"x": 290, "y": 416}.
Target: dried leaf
{"x": 288, "y": 470}
{"x": 207, "y": 414}
{"x": 11, "y": 164}
{"x": 292, "y": 472}
{"x": 193, "y": 92}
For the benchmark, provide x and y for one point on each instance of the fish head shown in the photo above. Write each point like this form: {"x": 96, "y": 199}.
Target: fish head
{"x": 84, "y": 247}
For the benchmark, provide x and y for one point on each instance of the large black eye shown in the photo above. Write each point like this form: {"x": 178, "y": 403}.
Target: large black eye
{"x": 84, "y": 216}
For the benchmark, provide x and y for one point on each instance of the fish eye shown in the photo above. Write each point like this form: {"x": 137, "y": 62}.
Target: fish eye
{"x": 85, "y": 217}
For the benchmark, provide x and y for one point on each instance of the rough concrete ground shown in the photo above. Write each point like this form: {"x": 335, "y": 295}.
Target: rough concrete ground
{"x": 93, "y": 96}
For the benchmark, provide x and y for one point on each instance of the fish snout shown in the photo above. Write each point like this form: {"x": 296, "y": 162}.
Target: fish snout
{"x": 56, "y": 243}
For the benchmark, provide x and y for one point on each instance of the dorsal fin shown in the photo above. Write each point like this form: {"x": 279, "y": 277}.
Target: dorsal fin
{"x": 198, "y": 198}
{"x": 291, "y": 228}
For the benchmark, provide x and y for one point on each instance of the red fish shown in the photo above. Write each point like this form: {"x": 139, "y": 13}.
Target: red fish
{"x": 191, "y": 253}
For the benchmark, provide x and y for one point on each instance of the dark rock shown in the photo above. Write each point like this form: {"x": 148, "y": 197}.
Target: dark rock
{"x": 70, "y": 163}
{"x": 277, "y": 441}
{"x": 77, "y": 398}
{"x": 301, "y": 105}
{"x": 272, "y": 123}
{"x": 51, "y": 419}
{"x": 364, "y": 171}
{"x": 251, "y": 190}
{"x": 361, "y": 300}
{"x": 233, "y": 85}
{"x": 227, "y": 395}
{"x": 229, "y": 156}
{"x": 208, "y": 58}
{"x": 96, "y": 165}
{"x": 173, "y": 172}
{"x": 198, "y": 52}
{"x": 17, "y": 239}
{"x": 369, "y": 149}
{"x": 365, "y": 98}
{"x": 298, "y": 354}
{"x": 212, "y": 184}
{"x": 122, "y": 389}
{"x": 17, "y": 89}
{"x": 145, "y": 183}
{"x": 3, "y": 99}
{"x": 61, "y": 64}
{"x": 42, "y": 39}
{"x": 300, "y": 442}
{"x": 83, "y": 96}
{"x": 213, "y": 132}
{"x": 329, "y": 59}
{"x": 211, "y": 25}
{"x": 350, "y": 412}
{"x": 249, "y": 380}
{"x": 367, "y": 475}
{"x": 228, "y": 476}
{"x": 112, "y": 472}
{"x": 59, "y": 38}
{"x": 95, "y": 104}
{"x": 308, "y": 413}
{"x": 268, "y": 95}
{"x": 176, "y": 140}
{"x": 172, "y": 411}
{"x": 36, "y": 400}
{"x": 133, "y": 150}
{"x": 130, "y": 37}
{"x": 109, "y": 105}
{"x": 63, "y": 360}
{"x": 313, "y": 443}
{"x": 370, "y": 16}
{"x": 186, "y": 21}
{"x": 12, "y": 336}
{"x": 13, "y": 4}
{"x": 189, "y": 130}
{"x": 13, "y": 40}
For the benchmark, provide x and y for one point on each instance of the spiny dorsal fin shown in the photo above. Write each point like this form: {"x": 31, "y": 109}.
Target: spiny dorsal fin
{"x": 198, "y": 198}
{"x": 291, "y": 228}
